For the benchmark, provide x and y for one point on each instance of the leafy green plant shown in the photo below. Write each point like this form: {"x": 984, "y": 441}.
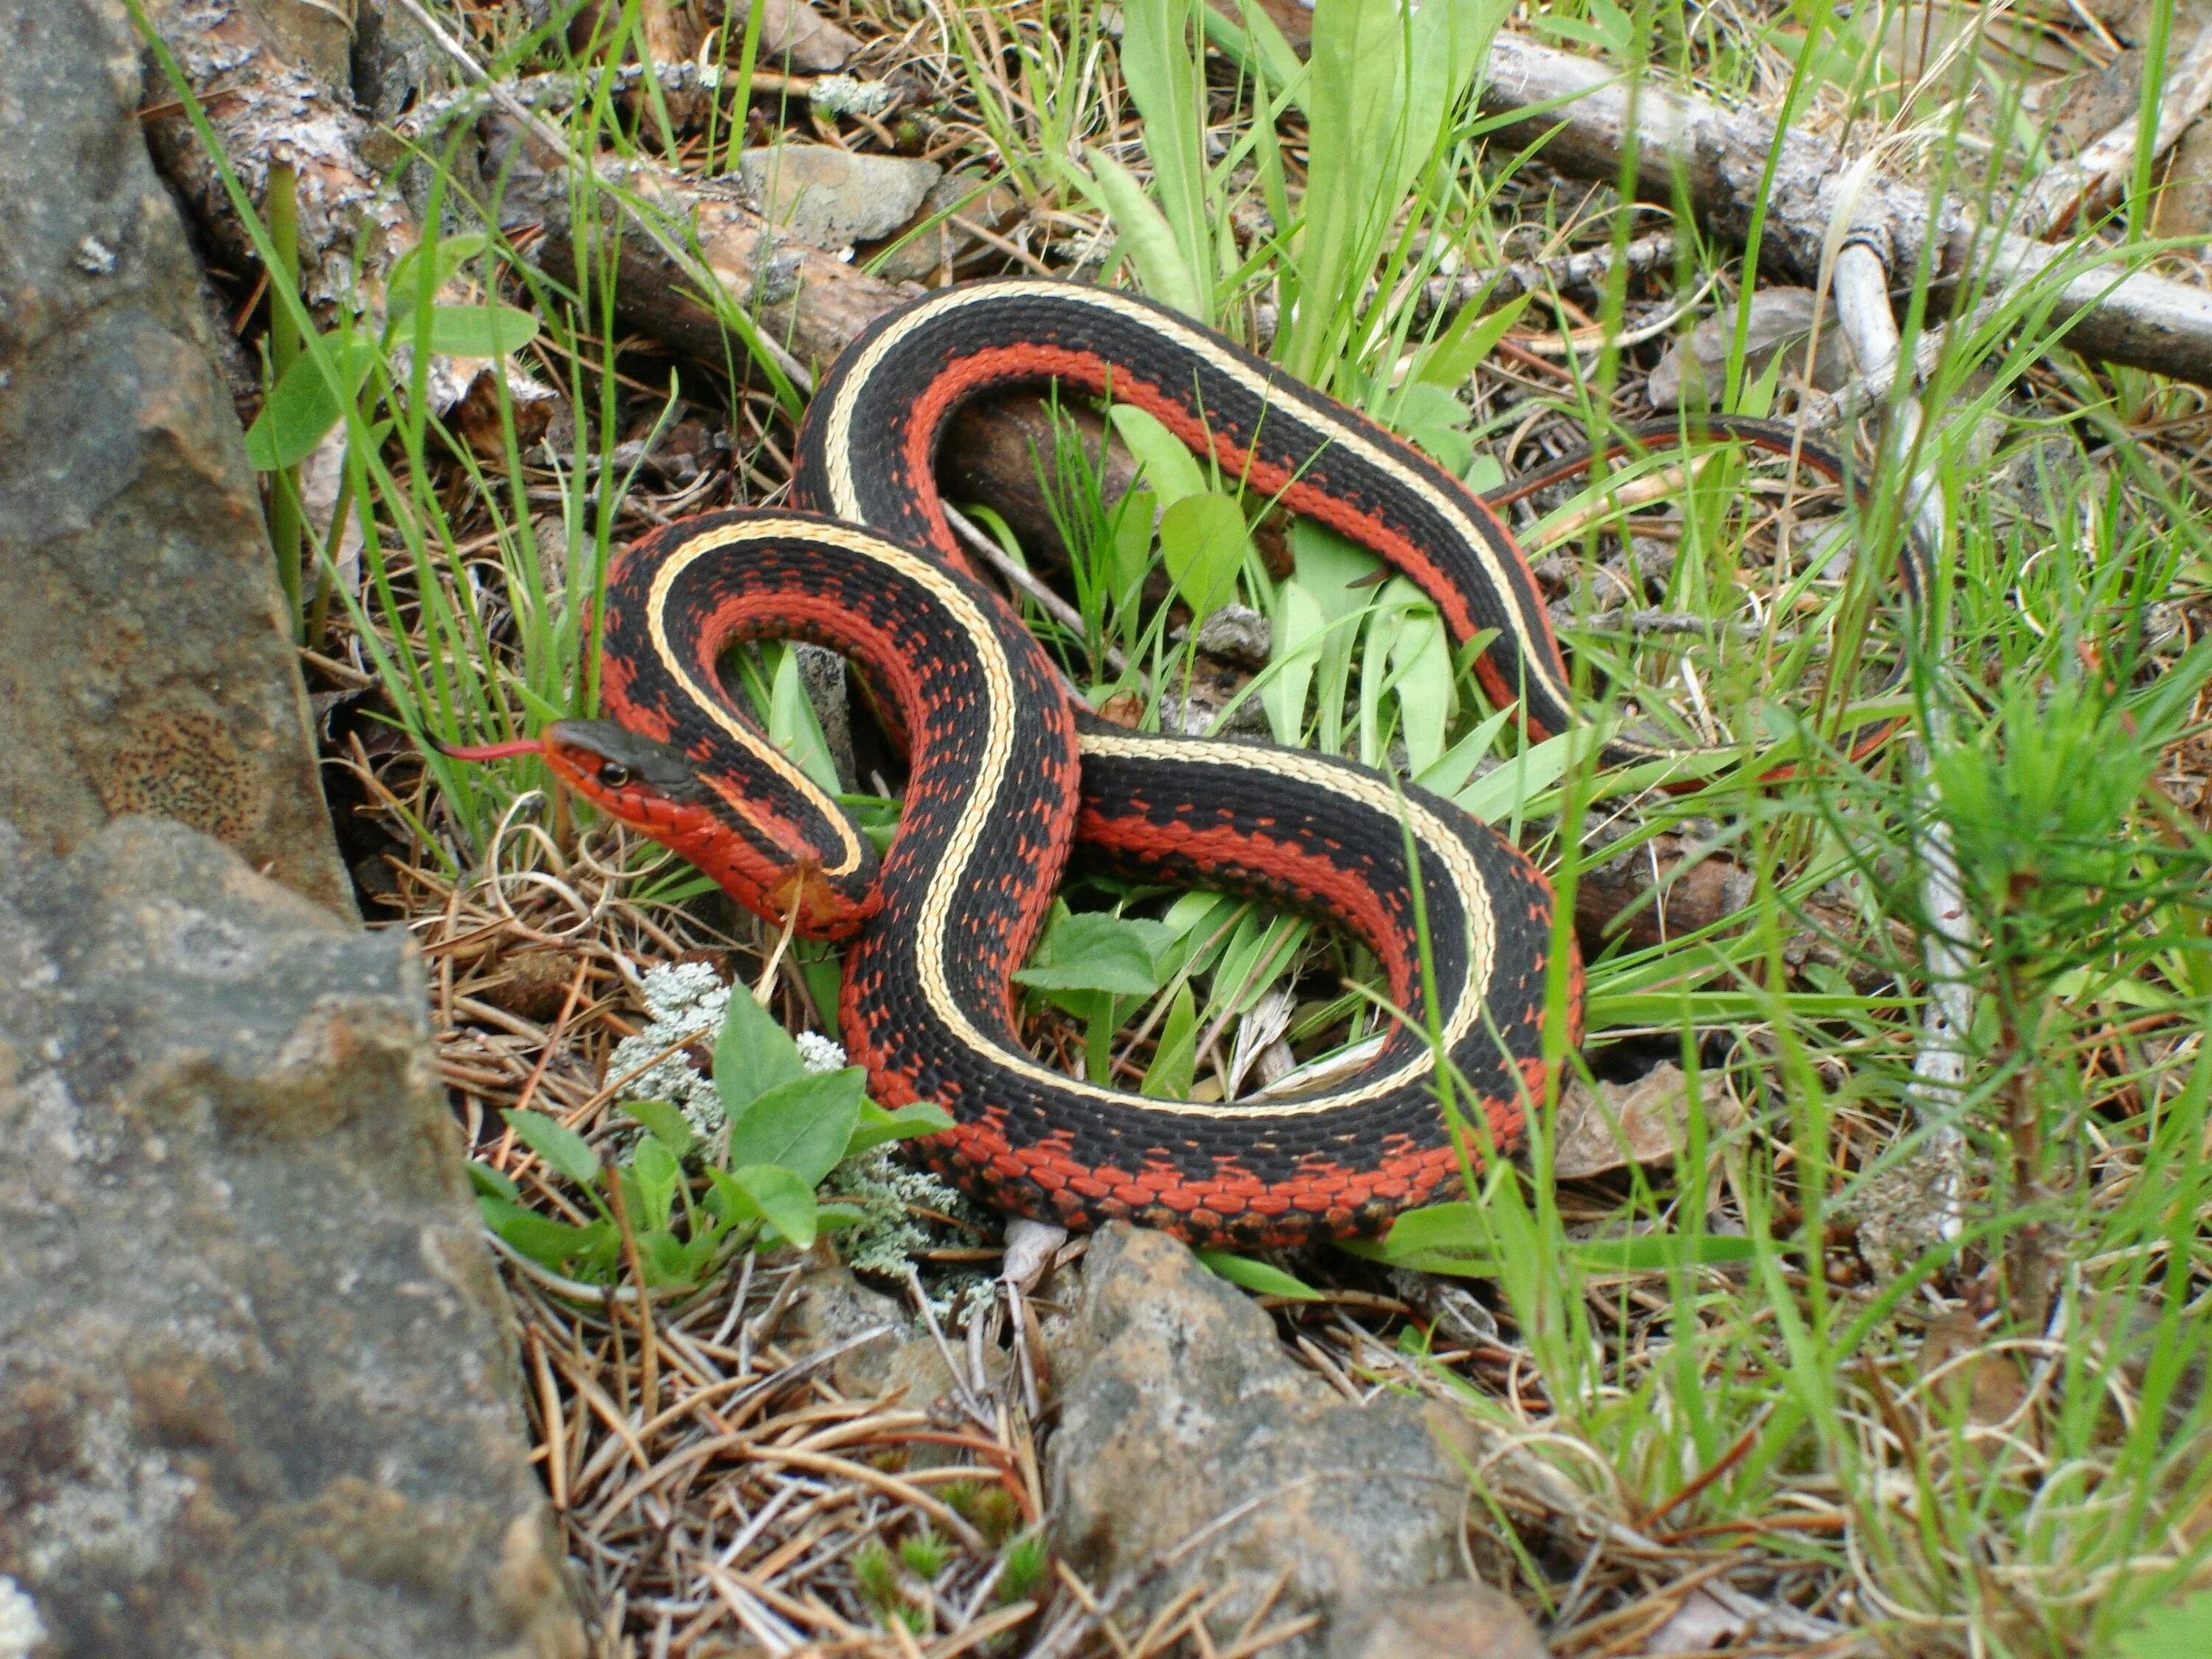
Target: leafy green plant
{"x": 785, "y": 1128}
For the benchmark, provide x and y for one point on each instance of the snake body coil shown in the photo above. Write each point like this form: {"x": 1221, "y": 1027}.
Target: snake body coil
{"x": 1006, "y": 776}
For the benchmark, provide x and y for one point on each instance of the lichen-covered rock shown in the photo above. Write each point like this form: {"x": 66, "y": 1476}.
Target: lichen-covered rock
{"x": 832, "y": 199}
{"x": 1186, "y": 1432}
{"x": 144, "y": 662}
{"x": 257, "y": 1391}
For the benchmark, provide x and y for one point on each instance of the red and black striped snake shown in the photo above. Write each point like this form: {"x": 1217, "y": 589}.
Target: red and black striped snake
{"x": 1007, "y": 776}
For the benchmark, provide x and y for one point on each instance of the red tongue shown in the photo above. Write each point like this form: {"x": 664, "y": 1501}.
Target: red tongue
{"x": 491, "y": 751}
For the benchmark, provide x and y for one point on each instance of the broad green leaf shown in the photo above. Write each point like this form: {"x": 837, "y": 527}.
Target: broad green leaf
{"x": 561, "y": 1148}
{"x": 1145, "y": 234}
{"x": 479, "y": 330}
{"x": 1169, "y": 1076}
{"x": 1498, "y": 793}
{"x": 772, "y": 1193}
{"x": 1202, "y": 542}
{"x": 303, "y": 407}
{"x": 1652, "y": 1252}
{"x": 665, "y": 1123}
{"x": 1096, "y": 950}
{"x": 1298, "y": 627}
{"x": 549, "y": 1243}
{"x": 1421, "y": 676}
{"x": 753, "y": 1054}
{"x": 1448, "y": 775}
{"x": 1437, "y": 422}
{"x": 1258, "y": 1276}
{"x": 803, "y": 1126}
{"x": 1171, "y": 472}
{"x": 1133, "y": 542}
{"x": 876, "y": 1126}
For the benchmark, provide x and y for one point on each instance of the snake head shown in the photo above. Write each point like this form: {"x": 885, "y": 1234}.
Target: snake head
{"x": 763, "y": 863}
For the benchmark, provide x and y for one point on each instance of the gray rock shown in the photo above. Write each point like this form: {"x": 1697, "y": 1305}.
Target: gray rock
{"x": 1184, "y": 1426}
{"x": 1781, "y": 319}
{"x": 1237, "y": 634}
{"x": 144, "y": 664}
{"x": 1464, "y": 1620}
{"x": 833, "y": 198}
{"x": 954, "y": 201}
{"x": 258, "y": 1387}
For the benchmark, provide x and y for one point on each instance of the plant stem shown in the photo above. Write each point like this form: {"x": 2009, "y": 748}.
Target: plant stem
{"x": 286, "y": 521}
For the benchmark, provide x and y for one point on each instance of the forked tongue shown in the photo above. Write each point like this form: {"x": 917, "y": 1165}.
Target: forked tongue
{"x": 489, "y": 752}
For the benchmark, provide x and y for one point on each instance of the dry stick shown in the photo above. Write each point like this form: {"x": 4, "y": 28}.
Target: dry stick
{"x": 2064, "y": 195}
{"x": 1720, "y": 157}
{"x": 1861, "y": 290}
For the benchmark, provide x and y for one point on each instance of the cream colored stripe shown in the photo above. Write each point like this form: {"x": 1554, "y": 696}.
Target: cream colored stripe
{"x": 715, "y": 704}
{"x": 1318, "y": 413}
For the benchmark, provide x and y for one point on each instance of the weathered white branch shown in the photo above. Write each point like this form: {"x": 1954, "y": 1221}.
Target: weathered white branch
{"x": 2062, "y": 195}
{"x": 1719, "y": 157}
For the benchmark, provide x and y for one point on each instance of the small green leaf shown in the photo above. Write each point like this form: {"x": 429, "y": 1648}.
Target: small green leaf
{"x": 480, "y": 331}
{"x": 773, "y": 1193}
{"x": 1258, "y": 1276}
{"x": 550, "y": 1243}
{"x": 1145, "y": 235}
{"x": 876, "y": 1126}
{"x": 803, "y": 1126}
{"x": 665, "y": 1260}
{"x": 797, "y": 730}
{"x": 1471, "y": 338}
{"x": 1202, "y": 542}
{"x": 301, "y": 408}
{"x": 491, "y": 1183}
{"x": 561, "y": 1148}
{"x": 658, "y": 1174}
{"x": 1096, "y": 950}
{"x": 400, "y": 284}
{"x": 1169, "y": 1076}
{"x": 665, "y": 1123}
{"x": 753, "y": 1053}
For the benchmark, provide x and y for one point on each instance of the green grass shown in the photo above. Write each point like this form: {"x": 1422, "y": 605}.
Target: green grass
{"x": 1707, "y": 1356}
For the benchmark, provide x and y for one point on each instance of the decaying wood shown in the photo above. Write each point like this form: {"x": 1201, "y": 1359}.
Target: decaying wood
{"x": 277, "y": 95}
{"x": 275, "y": 100}
{"x": 1718, "y": 158}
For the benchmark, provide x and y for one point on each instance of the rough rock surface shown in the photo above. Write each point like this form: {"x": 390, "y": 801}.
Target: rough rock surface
{"x": 1178, "y": 1408}
{"x": 1448, "y": 1621}
{"x": 143, "y": 662}
{"x": 832, "y": 199}
{"x": 258, "y": 1392}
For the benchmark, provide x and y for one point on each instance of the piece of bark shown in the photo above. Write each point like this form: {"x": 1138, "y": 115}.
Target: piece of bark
{"x": 269, "y": 106}
{"x": 272, "y": 102}
{"x": 1720, "y": 158}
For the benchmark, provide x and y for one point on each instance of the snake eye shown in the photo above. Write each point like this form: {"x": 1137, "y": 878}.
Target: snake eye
{"x": 613, "y": 774}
